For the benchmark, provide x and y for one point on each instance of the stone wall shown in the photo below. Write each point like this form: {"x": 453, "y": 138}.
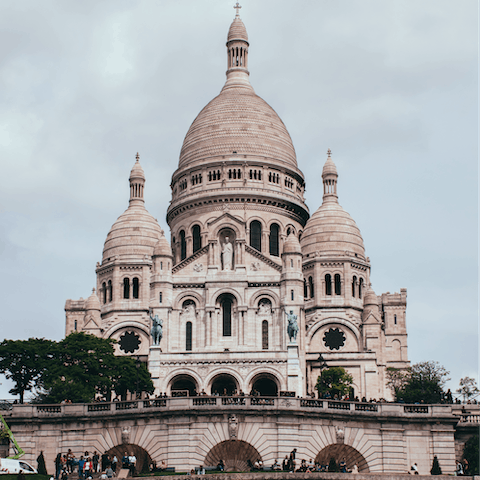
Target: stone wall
{"x": 182, "y": 431}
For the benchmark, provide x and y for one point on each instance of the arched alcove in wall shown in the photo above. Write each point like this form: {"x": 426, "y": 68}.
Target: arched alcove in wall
{"x": 184, "y": 382}
{"x": 265, "y": 384}
{"x": 339, "y": 451}
{"x": 236, "y": 455}
{"x": 224, "y": 384}
{"x": 143, "y": 458}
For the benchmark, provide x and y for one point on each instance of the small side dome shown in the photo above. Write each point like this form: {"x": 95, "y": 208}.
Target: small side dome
{"x": 237, "y": 31}
{"x": 332, "y": 231}
{"x": 162, "y": 248}
{"x": 292, "y": 245}
{"x": 370, "y": 298}
{"x": 93, "y": 303}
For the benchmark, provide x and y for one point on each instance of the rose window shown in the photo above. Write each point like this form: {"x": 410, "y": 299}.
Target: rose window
{"x": 334, "y": 339}
{"x": 129, "y": 342}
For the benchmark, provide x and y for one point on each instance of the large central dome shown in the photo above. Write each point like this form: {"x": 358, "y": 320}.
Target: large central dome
{"x": 238, "y": 120}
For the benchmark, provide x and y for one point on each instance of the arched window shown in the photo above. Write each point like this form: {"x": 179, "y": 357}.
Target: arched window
{"x": 256, "y": 235}
{"x": 110, "y": 292}
{"x": 274, "y": 229}
{"x": 328, "y": 284}
{"x": 188, "y": 336}
{"x": 160, "y": 297}
{"x": 310, "y": 284}
{"x": 76, "y": 325}
{"x": 136, "y": 288}
{"x": 126, "y": 288}
{"x": 292, "y": 295}
{"x": 104, "y": 292}
{"x": 305, "y": 293}
{"x": 183, "y": 246}
{"x": 338, "y": 285}
{"x": 226, "y": 304}
{"x": 360, "y": 287}
{"x": 265, "y": 335}
{"x": 354, "y": 283}
{"x": 395, "y": 319}
{"x": 197, "y": 239}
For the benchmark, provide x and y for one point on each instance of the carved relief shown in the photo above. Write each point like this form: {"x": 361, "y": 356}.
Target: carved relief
{"x": 126, "y": 435}
{"x": 340, "y": 434}
{"x": 232, "y": 427}
{"x": 198, "y": 267}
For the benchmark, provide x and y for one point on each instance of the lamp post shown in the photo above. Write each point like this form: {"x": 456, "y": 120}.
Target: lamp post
{"x": 137, "y": 364}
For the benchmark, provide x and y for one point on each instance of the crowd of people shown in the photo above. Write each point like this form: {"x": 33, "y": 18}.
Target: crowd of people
{"x": 87, "y": 465}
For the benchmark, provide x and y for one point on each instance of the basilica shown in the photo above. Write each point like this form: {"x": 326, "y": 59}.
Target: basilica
{"x": 251, "y": 292}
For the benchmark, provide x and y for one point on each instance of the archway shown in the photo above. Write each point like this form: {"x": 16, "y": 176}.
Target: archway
{"x": 182, "y": 383}
{"x": 236, "y": 455}
{"x": 143, "y": 458}
{"x": 339, "y": 451}
{"x": 265, "y": 385}
{"x": 224, "y": 384}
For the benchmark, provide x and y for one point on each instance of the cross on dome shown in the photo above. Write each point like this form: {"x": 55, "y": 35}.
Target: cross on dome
{"x": 329, "y": 152}
{"x": 137, "y": 156}
{"x": 237, "y": 7}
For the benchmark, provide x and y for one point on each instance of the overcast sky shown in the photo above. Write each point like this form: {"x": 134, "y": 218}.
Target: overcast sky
{"x": 390, "y": 86}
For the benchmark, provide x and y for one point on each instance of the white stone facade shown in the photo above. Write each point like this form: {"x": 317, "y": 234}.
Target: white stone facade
{"x": 244, "y": 251}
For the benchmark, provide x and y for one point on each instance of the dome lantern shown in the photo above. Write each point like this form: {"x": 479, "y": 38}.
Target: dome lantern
{"x": 137, "y": 182}
{"x": 330, "y": 176}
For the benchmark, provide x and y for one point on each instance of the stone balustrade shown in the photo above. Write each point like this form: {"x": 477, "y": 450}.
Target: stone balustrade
{"x": 172, "y": 404}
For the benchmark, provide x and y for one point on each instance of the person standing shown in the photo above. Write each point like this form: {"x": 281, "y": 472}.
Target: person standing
{"x": 58, "y": 465}
{"x": 114, "y": 464}
{"x": 95, "y": 460}
{"x": 81, "y": 464}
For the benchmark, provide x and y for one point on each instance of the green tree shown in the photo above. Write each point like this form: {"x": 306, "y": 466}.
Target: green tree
{"x": 435, "y": 470}
{"x": 24, "y": 362}
{"x": 468, "y": 388}
{"x": 397, "y": 378}
{"x": 424, "y": 383}
{"x": 129, "y": 373}
{"x": 471, "y": 454}
{"x": 334, "y": 380}
{"x": 85, "y": 365}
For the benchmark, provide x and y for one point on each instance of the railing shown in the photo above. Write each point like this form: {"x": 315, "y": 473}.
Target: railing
{"x": 262, "y": 401}
{"x": 49, "y": 408}
{"x": 339, "y": 405}
{"x": 311, "y": 403}
{"x": 366, "y": 407}
{"x": 234, "y": 402}
{"x": 199, "y": 401}
{"x": 126, "y": 405}
{"x": 415, "y": 409}
{"x": 99, "y": 407}
{"x": 469, "y": 418}
{"x": 157, "y": 402}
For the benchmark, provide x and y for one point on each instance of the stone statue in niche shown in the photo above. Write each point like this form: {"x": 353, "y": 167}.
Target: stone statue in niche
{"x": 126, "y": 435}
{"x": 157, "y": 329}
{"x": 340, "y": 434}
{"x": 292, "y": 327}
{"x": 264, "y": 307}
{"x": 232, "y": 427}
{"x": 188, "y": 312}
{"x": 227, "y": 255}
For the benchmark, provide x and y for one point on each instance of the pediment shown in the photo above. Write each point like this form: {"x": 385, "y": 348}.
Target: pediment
{"x": 91, "y": 324}
{"x": 194, "y": 264}
{"x": 371, "y": 320}
{"x": 256, "y": 261}
{"x": 226, "y": 216}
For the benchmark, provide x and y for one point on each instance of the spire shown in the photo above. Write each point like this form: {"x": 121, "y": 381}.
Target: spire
{"x": 237, "y": 50}
{"x": 330, "y": 176}
{"x": 137, "y": 182}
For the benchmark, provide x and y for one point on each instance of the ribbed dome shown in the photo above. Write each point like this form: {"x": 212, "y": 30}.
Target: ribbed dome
{"x": 332, "y": 231}
{"x": 237, "y": 31}
{"x": 292, "y": 245}
{"x": 133, "y": 235}
{"x": 329, "y": 168}
{"x": 239, "y": 121}
{"x": 137, "y": 170}
{"x": 162, "y": 248}
{"x": 93, "y": 303}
